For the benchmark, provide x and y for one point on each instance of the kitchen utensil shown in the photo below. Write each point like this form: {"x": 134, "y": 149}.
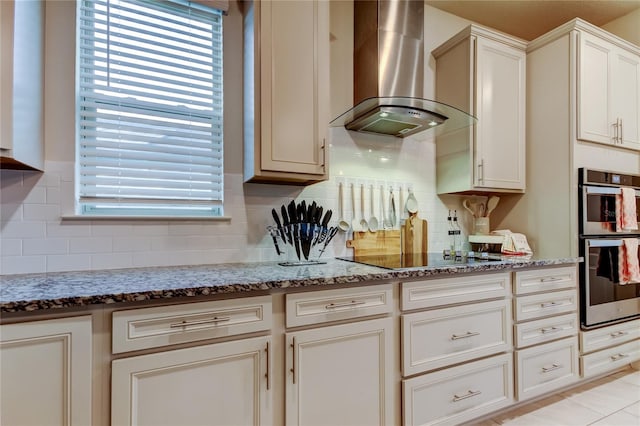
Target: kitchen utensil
{"x": 386, "y": 223}
{"x": 381, "y": 243}
{"x": 285, "y": 223}
{"x": 295, "y": 228}
{"x": 343, "y": 225}
{"x": 323, "y": 228}
{"x": 491, "y": 204}
{"x": 355, "y": 223}
{"x": 273, "y": 231}
{"x": 363, "y": 222}
{"x": 393, "y": 217}
{"x": 412, "y": 204}
{"x": 467, "y": 206}
{"x": 332, "y": 232}
{"x": 279, "y": 224}
{"x": 373, "y": 220}
{"x": 414, "y": 235}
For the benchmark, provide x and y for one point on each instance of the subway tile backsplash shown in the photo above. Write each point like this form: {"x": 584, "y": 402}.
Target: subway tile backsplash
{"x": 35, "y": 236}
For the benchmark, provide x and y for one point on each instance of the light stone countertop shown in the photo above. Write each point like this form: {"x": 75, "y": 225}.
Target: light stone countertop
{"x": 33, "y": 292}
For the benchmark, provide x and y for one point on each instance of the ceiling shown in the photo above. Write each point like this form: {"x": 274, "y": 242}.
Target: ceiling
{"x": 529, "y": 19}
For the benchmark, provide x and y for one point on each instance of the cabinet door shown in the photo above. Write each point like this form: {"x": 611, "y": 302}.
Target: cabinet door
{"x": 46, "y": 372}
{"x": 294, "y": 91}
{"x": 594, "y": 89}
{"x": 626, "y": 98}
{"x": 341, "y": 375}
{"x": 219, "y": 384}
{"x": 500, "y": 108}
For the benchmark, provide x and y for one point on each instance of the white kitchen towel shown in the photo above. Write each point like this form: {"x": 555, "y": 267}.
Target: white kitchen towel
{"x": 626, "y": 219}
{"x": 515, "y": 244}
{"x": 629, "y": 266}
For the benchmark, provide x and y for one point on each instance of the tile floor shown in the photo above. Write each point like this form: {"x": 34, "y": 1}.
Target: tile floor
{"x": 612, "y": 400}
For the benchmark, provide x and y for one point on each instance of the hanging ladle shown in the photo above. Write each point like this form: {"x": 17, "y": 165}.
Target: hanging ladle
{"x": 373, "y": 220}
{"x": 343, "y": 225}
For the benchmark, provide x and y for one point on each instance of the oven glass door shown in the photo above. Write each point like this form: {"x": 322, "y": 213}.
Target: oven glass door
{"x": 599, "y": 209}
{"x": 604, "y": 299}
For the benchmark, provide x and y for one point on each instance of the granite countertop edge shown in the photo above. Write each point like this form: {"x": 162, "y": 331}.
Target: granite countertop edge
{"x": 37, "y": 292}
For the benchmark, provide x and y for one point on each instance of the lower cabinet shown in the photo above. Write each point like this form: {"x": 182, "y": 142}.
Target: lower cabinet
{"x": 218, "y": 384}
{"x": 341, "y": 374}
{"x": 458, "y": 394}
{"x": 46, "y": 372}
{"x": 544, "y": 368}
{"x": 608, "y": 348}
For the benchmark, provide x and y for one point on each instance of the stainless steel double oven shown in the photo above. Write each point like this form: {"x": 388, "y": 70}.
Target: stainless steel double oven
{"x": 604, "y": 299}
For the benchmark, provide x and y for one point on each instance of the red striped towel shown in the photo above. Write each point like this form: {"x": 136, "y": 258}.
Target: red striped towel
{"x": 626, "y": 219}
{"x": 629, "y": 266}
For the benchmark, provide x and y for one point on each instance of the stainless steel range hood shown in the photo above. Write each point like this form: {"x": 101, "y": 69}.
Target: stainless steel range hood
{"x": 389, "y": 71}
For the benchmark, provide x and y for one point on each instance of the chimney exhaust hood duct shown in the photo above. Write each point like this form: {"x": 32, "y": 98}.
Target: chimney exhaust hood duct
{"x": 389, "y": 72}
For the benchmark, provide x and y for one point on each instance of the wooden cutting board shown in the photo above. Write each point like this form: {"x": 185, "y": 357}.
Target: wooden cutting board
{"x": 375, "y": 243}
{"x": 414, "y": 235}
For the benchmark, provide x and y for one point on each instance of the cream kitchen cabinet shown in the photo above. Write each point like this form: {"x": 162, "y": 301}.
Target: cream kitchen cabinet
{"x": 221, "y": 383}
{"x": 608, "y": 348}
{"x": 456, "y": 360}
{"x": 608, "y": 92}
{"x": 482, "y": 72}
{"x": 286, "y": 83}
{"x": 218, "y": 384}
{"x": 21, "y": 84}
{"x": 341, "y": 374}
{"x": 546, "y": 330}
{"x": 46, "y": 369}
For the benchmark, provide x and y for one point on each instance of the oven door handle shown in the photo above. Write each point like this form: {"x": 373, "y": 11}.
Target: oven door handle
{"x": 606, "y": 190}
{"x": 605, "y": 243}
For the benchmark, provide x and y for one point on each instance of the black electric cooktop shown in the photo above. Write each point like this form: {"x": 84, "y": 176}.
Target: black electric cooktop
{"x": 419, "y": 260}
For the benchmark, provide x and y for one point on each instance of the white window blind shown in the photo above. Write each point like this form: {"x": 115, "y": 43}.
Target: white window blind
{"x": 150, "y": 108}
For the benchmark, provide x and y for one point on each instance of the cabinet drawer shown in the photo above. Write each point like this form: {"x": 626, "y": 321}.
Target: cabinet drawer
{"x": 145, "y": 328}
{"x": 544, "y": 368}
{"x": 442, "y": 337}
{"x": 314, "y": 307}
{"x": 543, "y": 305}
{"x": 458, "y": 394}
{"x": 544, "y": 280}
{"x": 608, "y": 336}
{"x": 546, "y": 330}
{"x": 447, "y": 291}
{"x": 609, "y": 359}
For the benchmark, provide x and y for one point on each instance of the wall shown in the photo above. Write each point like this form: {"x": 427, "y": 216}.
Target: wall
{"x": 38, "y": 234}
{"x": 626, "y": 27}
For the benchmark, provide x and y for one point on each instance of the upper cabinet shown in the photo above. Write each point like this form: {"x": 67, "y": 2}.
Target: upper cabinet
{"x": 608, "y": 92}
{"x": 21, "y": 84}
{"x": 482, "y": 72}
{"x": 286, "y": 98}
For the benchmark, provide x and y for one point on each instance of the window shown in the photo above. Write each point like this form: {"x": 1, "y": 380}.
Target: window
{"x": 150, "y": 108}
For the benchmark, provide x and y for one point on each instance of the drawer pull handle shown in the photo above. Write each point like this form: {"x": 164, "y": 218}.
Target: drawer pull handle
{"x": 464, "y": 336}
{"x": 266, "y": 374}
{"x": 185, "y": 323}
{"x": 618, "y": 356}
{"x": 469, "y": 394}
{"x": 550, "y": 279}
{"x": 553, "y": 367}
{"x": 293, "y": 360}
{"x": 546, "y": 330}
{"x": 619, "y": 334}
{"x": 343, "y": 305}
{"x": 549, "y": 304}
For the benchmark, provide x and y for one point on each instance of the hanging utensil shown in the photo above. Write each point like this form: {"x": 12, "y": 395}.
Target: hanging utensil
{"x": 363, "y": 222}
{"x": 355, "y": 223}
{"x": 343, "y": 225}
{"x": 385, "y": 219}
{"x": 373, "y": 220}
{"x": 412, "y": 204}
{"x": 393, "y": 217}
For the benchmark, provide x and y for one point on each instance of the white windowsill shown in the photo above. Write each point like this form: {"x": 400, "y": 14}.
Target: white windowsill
{"x": 72, "y": 217}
